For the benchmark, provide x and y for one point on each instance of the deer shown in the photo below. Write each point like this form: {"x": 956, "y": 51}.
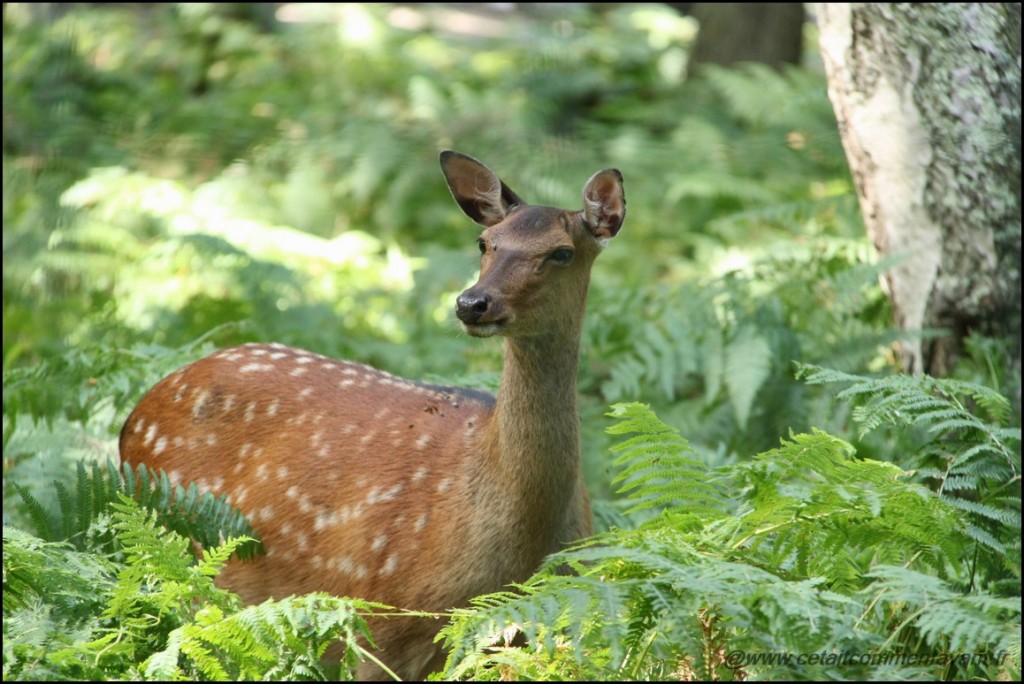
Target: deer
{"x": 364, "y": 484}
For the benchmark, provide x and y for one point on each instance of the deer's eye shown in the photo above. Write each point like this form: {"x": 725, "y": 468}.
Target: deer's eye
{"x": 481, "y": 244}
{"x": 562, "y": 255}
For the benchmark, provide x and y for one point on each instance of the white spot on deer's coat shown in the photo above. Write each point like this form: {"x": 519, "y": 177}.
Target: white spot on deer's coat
{"x": 305, "y": 392}
{"x": 349, "y": 566}
{"x": 420, "y": 473}
{"x": 229, "y": 402}
{"x": 250, "y": 412}
{"x": 298, "y": 370}
{"x": 422, "y": 442}
{"x": 160, "y": 445}
{"x": 325, "y": 519}
{"x": 420, "y": 523}
{"x": 390, "y": 565}
{"x": 201, "y": 398}
{"x": 347, "y": 513}
{"x": 444, "y": 485}
{"x": 377, "y": 495}
{"x": 256, "y": 367}
{"x": 272, "y": 409}
{"x": 150, "y": 435}
{"x": 379, "y": 542}
{"x": 139, "y": 424}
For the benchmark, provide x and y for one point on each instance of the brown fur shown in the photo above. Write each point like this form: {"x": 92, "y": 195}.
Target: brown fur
{"x": 365, "y": 484}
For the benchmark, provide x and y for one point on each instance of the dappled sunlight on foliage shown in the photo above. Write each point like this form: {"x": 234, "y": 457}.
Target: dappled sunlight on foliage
{"x": 184, "y": 177}
{"x": 179, "y": 250}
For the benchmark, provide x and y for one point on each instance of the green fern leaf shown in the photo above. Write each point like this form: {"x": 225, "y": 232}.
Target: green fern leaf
{"x": 656, "y": 469}
{"x": 748, "y": 363}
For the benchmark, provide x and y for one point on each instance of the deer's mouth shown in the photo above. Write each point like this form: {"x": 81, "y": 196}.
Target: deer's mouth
{"x": 486, "y": 329}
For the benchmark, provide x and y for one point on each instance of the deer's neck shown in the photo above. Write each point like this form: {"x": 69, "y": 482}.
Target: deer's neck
{"x": 535, "y": 429}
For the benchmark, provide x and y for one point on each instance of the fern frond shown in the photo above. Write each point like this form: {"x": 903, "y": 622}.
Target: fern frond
{"x": 972, "y": 459}
{"x": 748, "y": 363}
{"x": 789, "y": 570}
{"x": 815, "y": 508}
{"x": 206, "y": 518}
{"x": 1002, "y": 516}
{"x": 944, "y": 617}
{"x": 275, "y": 639}
{"x": 933, "y": 403}
{"x": 36, "y": 569}
{"x": 38, "y": 516}
{"x": 656, "y": 471}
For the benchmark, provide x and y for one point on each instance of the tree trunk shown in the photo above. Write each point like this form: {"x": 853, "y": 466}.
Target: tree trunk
{"x": 732, "y": 32}
{"x": 928, "y": 102}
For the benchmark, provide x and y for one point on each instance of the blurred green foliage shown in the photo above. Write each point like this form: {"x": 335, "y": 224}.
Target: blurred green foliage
{"x": 179, "y": 177}
{"x": 172, "y": 168}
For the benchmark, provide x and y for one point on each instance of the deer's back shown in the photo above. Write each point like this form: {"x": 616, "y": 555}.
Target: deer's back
{"x": 346, "y": 490}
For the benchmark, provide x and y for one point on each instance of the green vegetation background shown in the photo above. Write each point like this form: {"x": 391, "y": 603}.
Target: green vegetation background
{"x": 173, "y": 169}
{"x": 184, "y": 177}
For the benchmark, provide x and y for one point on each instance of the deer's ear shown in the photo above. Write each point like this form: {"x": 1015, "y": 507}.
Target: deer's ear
{"x": 477, "y": 189}
{"x": 604, "y": 204}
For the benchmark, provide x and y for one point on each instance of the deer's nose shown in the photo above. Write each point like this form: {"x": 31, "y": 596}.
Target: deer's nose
{"x": 471, "y": 306}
